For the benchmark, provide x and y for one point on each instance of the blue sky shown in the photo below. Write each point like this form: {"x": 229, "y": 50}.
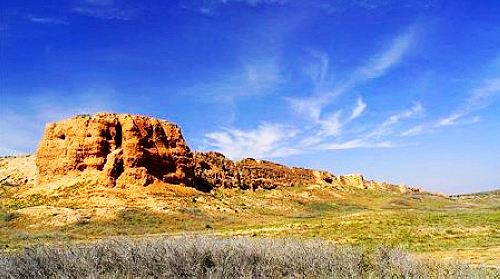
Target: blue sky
{"x": 401, "y": 91}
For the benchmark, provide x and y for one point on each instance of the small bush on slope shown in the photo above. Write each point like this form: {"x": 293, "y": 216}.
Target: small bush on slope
{"x": 202, "y": 257}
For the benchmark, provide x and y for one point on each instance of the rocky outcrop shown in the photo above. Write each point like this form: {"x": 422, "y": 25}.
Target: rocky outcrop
{"x": 215, "y": 170}
{"x": 124, "y": 149}
{"x": 17, "y": 171}
{"x": 355, "y": 180}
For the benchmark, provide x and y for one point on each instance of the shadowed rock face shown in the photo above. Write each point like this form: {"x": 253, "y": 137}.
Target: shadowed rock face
{"x": 125, "y": 149}
{"x": 215, "y": 169}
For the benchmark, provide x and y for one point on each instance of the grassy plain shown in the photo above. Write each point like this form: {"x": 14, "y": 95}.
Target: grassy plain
{"x": 431, "y": 226}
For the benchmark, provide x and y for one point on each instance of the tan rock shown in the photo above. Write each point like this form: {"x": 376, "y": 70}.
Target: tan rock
{"x": 126, "y": 149}
{"x": 355, "y": 180}
{"x": 213, "y": 169}
{"x": 121, "y": 150}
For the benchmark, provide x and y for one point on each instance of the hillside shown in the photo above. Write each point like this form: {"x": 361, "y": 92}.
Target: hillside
{"x": 431, "y": 225}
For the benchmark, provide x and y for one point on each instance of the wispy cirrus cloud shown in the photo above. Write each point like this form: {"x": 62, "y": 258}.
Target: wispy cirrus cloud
{"x": 377, "y": 66}
{"x": 254, "y": 78}
{"x": 273, "y": 140}
{"x": 105, "y": 9}
{"x": 330, "y": 125}
{"x": 46, "y": 20}
{"x": 383, "y": 128}
{"x": 265, "y": 141}
{"x": 479, "y": 98}
{"x": 415, "y": 130}
{"x": 255, "y": 2}
{"x": 387, "y": 59}
{"x": 323, "y": 130}
{"x": 212, "y": 7}
{"x": 358, "y": 109}
{"x": 354, "y": 143}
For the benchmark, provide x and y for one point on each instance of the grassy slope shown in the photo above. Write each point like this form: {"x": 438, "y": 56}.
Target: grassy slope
{"x": 467, "y": 228}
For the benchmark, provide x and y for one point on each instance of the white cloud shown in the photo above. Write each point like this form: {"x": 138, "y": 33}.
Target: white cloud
{"x": 358, "y": 109}
{"x": 385, "y": 60}
{"x": 393, "y": 119}
{"x": 354, "y": 143}
{"x": 321, "y": 131}
{"x": 313, "y": 105}
{"x": 275, "y": 140}
{"x": 310, "y": 107}
{"x": 413, "y": 131}
{"x": 331, "y": 125}
{"x": 263, "y": 75}
{"x": 255, "y": 78}
{"x": 104, "y": 9}
{"x": 479, "y": 98}
{"x": 46, "y": 20}
{"x": 266, "y": 141}
{"x": 255, "y": 2}
{"x": 99, "y": 2}
{"x": 278, "y": 140}
{"x": 450, "y": 120}
{"x": 384, "y": 128}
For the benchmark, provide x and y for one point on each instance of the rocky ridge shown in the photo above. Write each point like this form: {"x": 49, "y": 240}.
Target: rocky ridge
{"x": 126, "y": 150}
{"x": 213, "y": 168}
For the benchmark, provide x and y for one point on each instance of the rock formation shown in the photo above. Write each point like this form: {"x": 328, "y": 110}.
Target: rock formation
{"x": 213, "y": 168}
{"x": 17, "y": 171}
{"x": 355, "y": 180}
{"x": 125, "y": 149}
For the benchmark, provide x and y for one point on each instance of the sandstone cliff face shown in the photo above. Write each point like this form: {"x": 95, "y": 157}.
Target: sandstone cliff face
{"x": 216, "y": 170}
{"x": 125, "y": 149}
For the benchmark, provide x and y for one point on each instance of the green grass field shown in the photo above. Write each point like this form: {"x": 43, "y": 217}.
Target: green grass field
{"x": 467, "y": 228}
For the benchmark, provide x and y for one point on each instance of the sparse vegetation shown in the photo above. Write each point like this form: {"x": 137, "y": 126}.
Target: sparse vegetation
{"x": 207, "y": 257}
{"x": 428, "y": 225}
{"x": 7, "y": 216}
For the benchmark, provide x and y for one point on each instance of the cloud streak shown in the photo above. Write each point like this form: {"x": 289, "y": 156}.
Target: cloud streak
{"x": 479, "y": 98}
{"x": 46, "y": 20}
{"x": 358, "y": 109}
{"x": 384, "y": 61}
{"x": 256, "y": 78}
{"x": 271, "y": 140}
{"x": 104, "y": 9}
{"x": 266, "y": 141}
{"x": 322, "y": 130}
{"x": 384, "y": 127}
{"x": 379, "y": 64}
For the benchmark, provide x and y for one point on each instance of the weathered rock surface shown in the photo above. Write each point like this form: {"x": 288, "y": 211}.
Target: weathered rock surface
{"x": 214, "y": 169}
{"x": 355, "y": 180}
{"x": 125, "y": 149}
{"x": 17, "y": 171}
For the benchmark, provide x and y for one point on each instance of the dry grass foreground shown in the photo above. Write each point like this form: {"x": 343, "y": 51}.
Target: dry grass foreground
{"x": 204, "y": 257}
{"x": 76, "y": 210}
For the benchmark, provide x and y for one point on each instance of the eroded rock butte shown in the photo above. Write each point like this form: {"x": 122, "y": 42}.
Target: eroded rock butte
{"x": 125, "y": 150}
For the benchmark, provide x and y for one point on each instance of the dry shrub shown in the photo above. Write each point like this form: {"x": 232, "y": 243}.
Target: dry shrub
{"x": 209, "y": 257}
